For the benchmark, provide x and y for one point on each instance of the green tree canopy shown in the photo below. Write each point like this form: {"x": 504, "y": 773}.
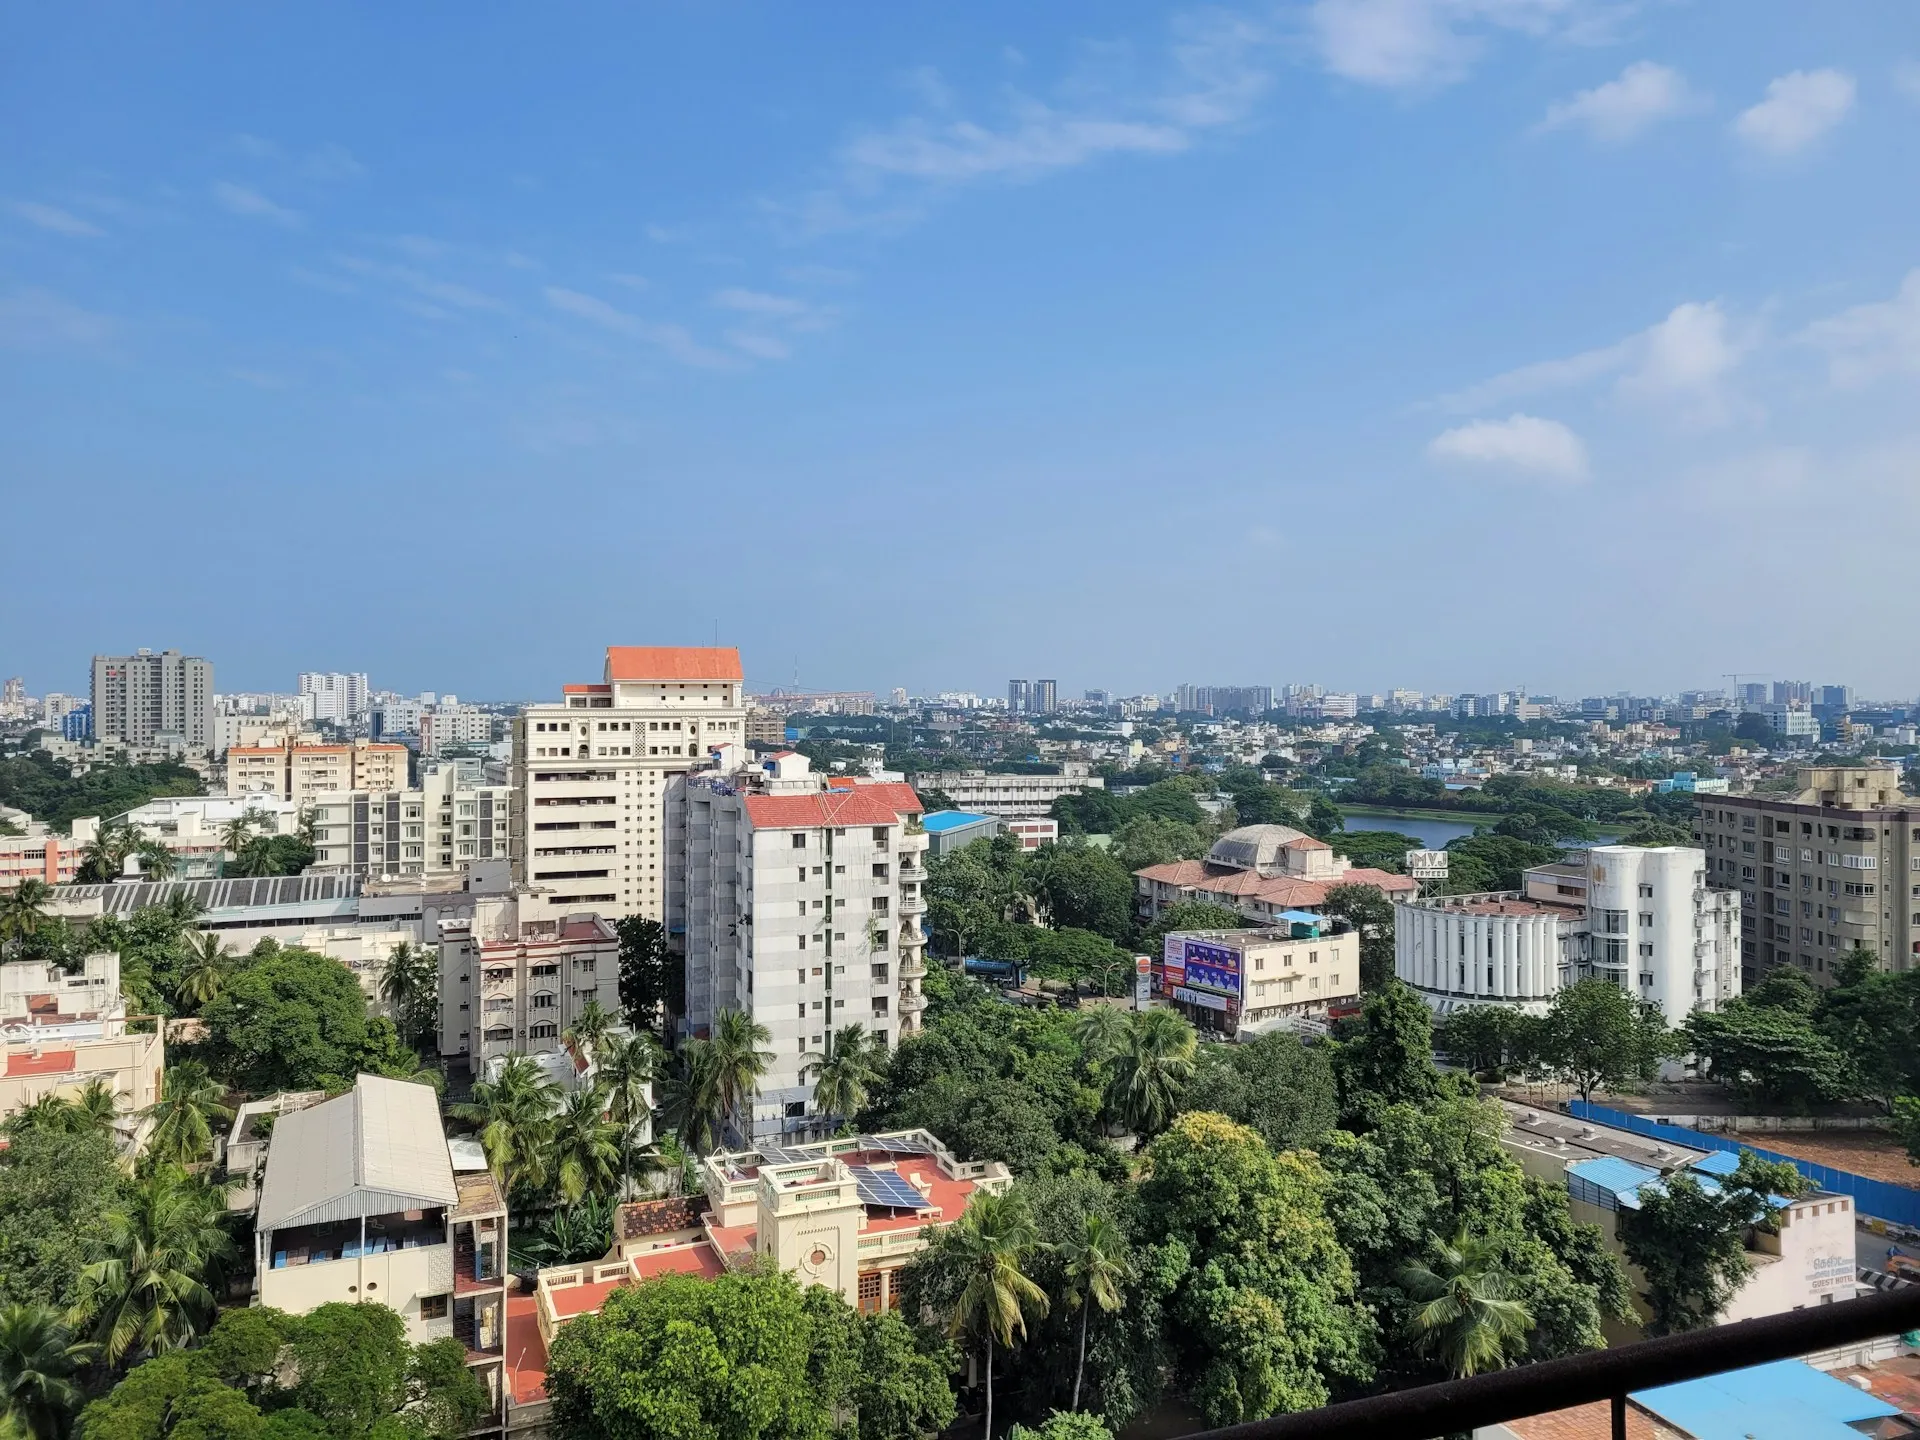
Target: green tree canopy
{"x": 1598, "y": 1035}
{"x": 55, "y": 1191}
{"x": 1278, "y": 1085}
{"x": 295, "y": 1020}
{"x": 1082, "y": 888}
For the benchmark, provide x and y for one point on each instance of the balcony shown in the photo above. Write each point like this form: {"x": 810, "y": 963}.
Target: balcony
{"x": 912, "y": 969}
{"x": 912, "y": 1003}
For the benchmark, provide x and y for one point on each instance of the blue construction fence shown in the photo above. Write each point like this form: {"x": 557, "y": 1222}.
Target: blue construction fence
{"x": 1876, "y": 1198}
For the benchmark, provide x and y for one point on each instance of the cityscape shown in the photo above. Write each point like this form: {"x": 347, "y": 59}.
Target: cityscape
{"x": 1112, "y": 721}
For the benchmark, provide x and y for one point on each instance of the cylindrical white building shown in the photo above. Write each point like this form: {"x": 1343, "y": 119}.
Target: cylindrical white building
{"x": 1460, "y": 951}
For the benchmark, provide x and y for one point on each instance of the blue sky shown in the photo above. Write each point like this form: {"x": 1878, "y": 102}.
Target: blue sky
{"x": 1446, "y": 343}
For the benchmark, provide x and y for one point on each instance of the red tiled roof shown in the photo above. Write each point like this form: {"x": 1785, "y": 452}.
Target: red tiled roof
{"x": 673, "y": 662}
{"x": 56, "y": 1062}
{"x": 585, "y": 689}
{"x": 877, "y": 804}
{"x": 1282, "y": 890}
{"x": 685, "y": 1260}
{"x": 1380, "y": 880}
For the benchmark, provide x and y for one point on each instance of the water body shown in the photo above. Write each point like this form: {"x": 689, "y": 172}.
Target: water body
{"x": 1434, "y": 834}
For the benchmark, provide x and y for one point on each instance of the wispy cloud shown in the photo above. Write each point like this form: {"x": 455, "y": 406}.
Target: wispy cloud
{"x": 1906, "y": 78}
{"x": 1526, "y": 445}
{"x": 36, "y": 319}
{"x": 1799, "y": 109}
{"x": 1405, "y": 44}
{"x": 1682, "y": 363}
{"x": 428, "y": 287}
{"x": 1643, "y": 95}
{"x": 331, "y": 162}
{"x": 52, "y": 217}
{"x": 630, "y": 280}
{"x": 755, "y": 302}
{"x": 673, "y": 339}
{"x": 761, "y": 347}
{"x": 239, "y": 200}
{"x": 318, "y": 280}
{"x": 1868, "y": 341}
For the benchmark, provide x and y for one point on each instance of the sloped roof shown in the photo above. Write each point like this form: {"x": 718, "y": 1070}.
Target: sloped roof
{"x": 876, "y": 804}
{"x": 673, "y": 662}
{"x": 377, "y": 1149}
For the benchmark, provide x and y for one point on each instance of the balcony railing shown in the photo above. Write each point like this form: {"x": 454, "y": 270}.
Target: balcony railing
{"x": 1457, "y": 1406}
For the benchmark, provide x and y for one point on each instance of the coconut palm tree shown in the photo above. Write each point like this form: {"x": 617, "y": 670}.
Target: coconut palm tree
{"x": 1467, "y": 1315}
{"x": 235, "y": 834}
{"x": 689, "y": 1096}
{"x": 514, "y": 1111}
{"x": 52, "y": 1114}
{"x": 588, "y": 1032}
{"x": 1102, "y": 1032}
{"x": 38, "y": 1360}
{"x": 203, "y": 970}
{"x": 157, "y": 862}
{"x": 97, "y": 1106}
{"x": 738, "y": 1060}
{"x": 1096, "y": 1265}
{"x": 1147, "y": 1075}
{"x": 149, "y": 1290}
{"x": 182, "y": 911}
{"x": 585, "y": 1151}
{"x": 183, "y": 1116}
{"x": 104, "y": 858}
{"x": 626, "y": 1067}
{"x": 410, "y": 984}
{"x": 843, "y": 1072}
{"x": 992, "y": 1242}
{"x": 23, "y": 909}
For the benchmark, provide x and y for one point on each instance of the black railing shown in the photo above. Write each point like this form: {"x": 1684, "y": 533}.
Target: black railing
{"x": 1595, "y": 1375}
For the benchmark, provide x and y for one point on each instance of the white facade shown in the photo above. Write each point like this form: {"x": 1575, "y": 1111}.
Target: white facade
{"x": 1641, "y": 917}
{"x": 591, "y": 773}
{"x": 800, "y": 905}
{"x": 1009, "y": 796}
{"x": 449, "y": 724}
{"x": 337, "y": 698}
{"x": 511, "y": 984}
{"x": 438, "y": 829}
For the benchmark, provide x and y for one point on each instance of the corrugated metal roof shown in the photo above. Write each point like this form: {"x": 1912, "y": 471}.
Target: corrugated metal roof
{"x": 213, "y": 895}
{"x": 1610, "y": 1172}
{"x": 1786, "y": 1400}
{"x": 944, "y": 820}
{"x": 1717, "y": 1162}
{"x": 373, "y": 1151}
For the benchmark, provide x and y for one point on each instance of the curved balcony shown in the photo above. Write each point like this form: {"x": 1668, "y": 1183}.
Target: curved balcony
{"x": 912, "y": 1003}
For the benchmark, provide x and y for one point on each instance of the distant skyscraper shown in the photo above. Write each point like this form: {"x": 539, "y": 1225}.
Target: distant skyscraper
{"x": 1752, "y": 696}
{"x": 1045, "y": 697}
{"x": 1017, "y": 696}
{"x": 1834, "y": 697}
{"x": 138, "y": 698}
{"x": 339, "y": 699}
{"x": 1790, "y": 692}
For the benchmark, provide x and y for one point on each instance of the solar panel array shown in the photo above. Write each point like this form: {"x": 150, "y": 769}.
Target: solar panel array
{"x": 894, "y": 1145}
{"x": 886, "y": 1188}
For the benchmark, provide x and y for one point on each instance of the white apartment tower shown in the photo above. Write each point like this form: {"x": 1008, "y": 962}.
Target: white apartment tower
{"x": 338, "y": 699}
{"x": 591, "y": 773}
{"x": 800, "y": 897}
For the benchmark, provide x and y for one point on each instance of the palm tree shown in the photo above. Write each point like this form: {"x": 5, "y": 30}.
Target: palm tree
{"x": 235, "y": 834}
{"x": 52, "y": 1114}
{"x": 588, "y": 1032}
{"x": 183, "y": 1116}
{"x": 410, "y": 984}
{"x": 255, "y": 858}
{"x": 514, "y": 1111}
{"x": 992, "y": 1241}
{"x": 585, "y": 1149}
{"x": 1102, "y": 1032}
{"x": 38, "y": 1360}
{"x": 689, "y": 1096}
{"x": 1467, "y": 1313}
{"x": 104, "y": 857}
{"x": 1148, "y": 1074}
{"x": 843, "y": 1072}
{"x": 204, "y": 969}
{"x": 97, "y": 1106}
{"x": 1096, "y": 1266}
{"x": 23, "y": 909}
{"x": 738, "y": 1060}
{"x": 626, "y": 1066}
{"x": 157, "y": 862}
{"x": 182, "y": 911}
{"x": 149, "y": 1291}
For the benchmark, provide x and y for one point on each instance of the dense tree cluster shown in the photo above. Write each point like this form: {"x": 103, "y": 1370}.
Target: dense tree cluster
{"x": 48, "y": 790}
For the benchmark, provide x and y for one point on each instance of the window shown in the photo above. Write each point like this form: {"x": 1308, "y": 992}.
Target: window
{"x": 1646, "y": 920}
{"x": 880, "y": 834}
{"x": 545, "y": 1000}
{"x": 434, "y": 1307}
{"x": 879, "y": 904}
{"x": 879, "y": 1004}
{"x": 800, "y": 840}
{"x": 1646, "y": 892}
{"x": 547, "y": 1030}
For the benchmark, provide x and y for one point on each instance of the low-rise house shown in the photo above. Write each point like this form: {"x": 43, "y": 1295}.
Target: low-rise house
{"x": 1261, "y": 871}
{"x": 59, "y": 1032}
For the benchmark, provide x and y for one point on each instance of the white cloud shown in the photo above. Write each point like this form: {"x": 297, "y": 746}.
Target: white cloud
{"x": 429, "y": 287}
{"x": 332, "y": 162}
{"x": 1525, "y": 443}
{"x": 239, "y": 200}
{"x": 674, "y": 340}
{"x": 764, "y": 347}
{"x": 1619, "y": 110}
{"x": 1800, "y": 107}
{"x": 755, "y": 302}
{"x": 631, "y": 281}
{"x": 35, "y": 319}
{"x": 1868, "y": 341}
{"x": 1405, "y": 43}
{"x": 52, "y": 217}
{"x": 1683, "y": 363}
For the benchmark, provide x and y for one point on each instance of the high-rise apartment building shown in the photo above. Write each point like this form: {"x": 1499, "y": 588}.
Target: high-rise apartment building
{"x": 512, "y": 983}
{"x": 1017, "y": 697}
{"x": 1045, "y": 696}
{"x": 334, "y": 698}
{"x": 143, "y": 699}
{"x": 303, "y": 769}
{"x": 438, "y": 829}
{"x": 590, "y": 776}
{"x": 800, "y": 896}
{"x": 448, "y": 724}
{"x": 1792, "y": 692}
{"x": 1833, "y": 866}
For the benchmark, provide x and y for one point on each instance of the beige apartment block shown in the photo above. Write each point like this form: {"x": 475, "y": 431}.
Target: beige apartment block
{"x": 438, "y": 829}
{"x": 1834, "y": 865}
{"x": 306, "y": 768}
{"x": 512, "y": 980}
{"x": 59, "y": 1032}
{"x": 590, "y": 776}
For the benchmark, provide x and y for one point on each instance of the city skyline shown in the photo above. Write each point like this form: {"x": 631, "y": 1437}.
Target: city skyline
{"x": 1399, "y": 308}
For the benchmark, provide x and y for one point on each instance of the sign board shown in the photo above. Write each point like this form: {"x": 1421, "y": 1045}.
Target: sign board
{"x": 1173, "y": 959}
{"x": 1201, "y": 998}
{"x": 1142, "y": 981}
{"x": 1427, "y": 864}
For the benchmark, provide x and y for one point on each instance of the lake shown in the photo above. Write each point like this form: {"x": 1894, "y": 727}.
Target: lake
{"x": 1434, "y": 834}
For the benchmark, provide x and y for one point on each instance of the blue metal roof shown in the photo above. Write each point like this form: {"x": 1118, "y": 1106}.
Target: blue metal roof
{"x": 1719, "y": 1162}
{"x": 1786, "y": 1400}
{"x": 942, "y": 821}
{"x": 1609, "y": 1172}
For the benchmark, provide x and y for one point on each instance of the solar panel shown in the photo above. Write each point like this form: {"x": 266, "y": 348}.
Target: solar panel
{"x": 886, "y": 1188}
{"x": 894, "y": 1145}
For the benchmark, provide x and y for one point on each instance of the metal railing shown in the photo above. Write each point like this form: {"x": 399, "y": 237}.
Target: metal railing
{"x": 1594, "y": 1375}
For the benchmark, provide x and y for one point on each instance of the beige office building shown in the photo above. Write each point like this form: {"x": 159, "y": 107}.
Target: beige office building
{"x": 1834, "y": 865}
{"x": 304, "y": 769}
{"x": 590, "y": 776}
{"x": 512, "y": 983}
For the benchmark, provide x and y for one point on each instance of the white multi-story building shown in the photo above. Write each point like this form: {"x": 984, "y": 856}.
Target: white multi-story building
{"x": 336, "y": 698}
{"x": 1642, "y": 917}
{"x": 438, "y": 829}
{"x": 801, "y": 898}
{"x": 511, "y": 984}
{"x": 1009, "y": 796}
{"x": 447, "y": 724}
{"x": 145, "y": 699}
{"x": 591, "y": 773}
